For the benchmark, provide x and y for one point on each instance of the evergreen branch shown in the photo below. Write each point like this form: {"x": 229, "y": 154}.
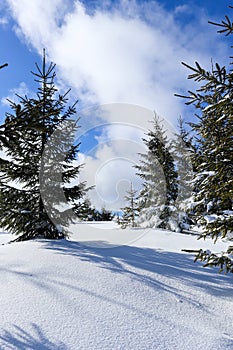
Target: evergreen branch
{"x": 227, "y": 25}
{"x": 4, "y": 65}
{"x": 182, "y": 96}
{"x": 212, "y": 260}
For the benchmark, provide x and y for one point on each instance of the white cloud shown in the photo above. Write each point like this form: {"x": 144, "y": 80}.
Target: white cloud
{"x": 21, "y": 90}
{"x": 37, "y": 21}
{"x": 181, "y": 9}
{"x": 3, "y": 21}
{"x": 111, "y": 171}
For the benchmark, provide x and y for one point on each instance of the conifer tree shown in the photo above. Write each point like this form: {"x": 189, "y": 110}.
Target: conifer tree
{"x": 214, "y": 158}
{"x": 183, "y": 150}
{"x": 27, "y": 130}
{"x": 103, "y": 215}
{"x": 130, "y": 211}
{"x": 157, "y": 169}
{"x": 85, "y": 211}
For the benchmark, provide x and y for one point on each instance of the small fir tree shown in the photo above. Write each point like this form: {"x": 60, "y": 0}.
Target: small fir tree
{"x": 85, "y": 211}
{"x": 103, "y": 215}
{"x": 130, "y": 211}
{"x": 26, "y": 132}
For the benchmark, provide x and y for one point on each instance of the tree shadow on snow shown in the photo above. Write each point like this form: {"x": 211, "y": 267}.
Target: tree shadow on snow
{"x": 23, "y": 340}
{"x": 146, "y": 265}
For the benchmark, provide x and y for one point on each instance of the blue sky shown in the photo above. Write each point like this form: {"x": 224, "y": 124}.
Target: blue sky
{"x": 213, "y": 8}
{"x": 110, "y": 52}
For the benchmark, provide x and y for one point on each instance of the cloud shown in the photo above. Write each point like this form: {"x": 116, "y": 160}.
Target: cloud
{"x": 182, "y": 9}
{"x": 21, "y": 90}
{"x": 111, "y": 171}
{"x": 3, "y": 21}
{"x": 37, "y": 21}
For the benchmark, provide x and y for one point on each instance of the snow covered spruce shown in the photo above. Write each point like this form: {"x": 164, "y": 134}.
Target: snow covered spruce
{"x": 213, "y": 161}
{"x": 23, "y": 138}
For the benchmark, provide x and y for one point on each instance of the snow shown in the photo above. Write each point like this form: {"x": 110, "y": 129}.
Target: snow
{"x": 209, "y": 206}
{"x": 211, "y": 218}
{"x": 89, "y": 294}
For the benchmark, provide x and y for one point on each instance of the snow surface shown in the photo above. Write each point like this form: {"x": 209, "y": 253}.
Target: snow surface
{"x": 144, "y": 295}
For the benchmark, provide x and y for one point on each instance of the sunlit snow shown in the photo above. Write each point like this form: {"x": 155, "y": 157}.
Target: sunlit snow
{"x": 82, "y": 294}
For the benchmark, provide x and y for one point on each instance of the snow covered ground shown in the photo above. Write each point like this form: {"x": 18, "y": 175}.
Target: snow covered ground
{"x": 145, "y": 294}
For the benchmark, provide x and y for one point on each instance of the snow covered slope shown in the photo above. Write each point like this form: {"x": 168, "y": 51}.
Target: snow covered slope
{"x": 143, "y": 295}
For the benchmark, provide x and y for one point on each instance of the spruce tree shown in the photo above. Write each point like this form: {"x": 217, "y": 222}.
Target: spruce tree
{"x": 85, "y": 211}
{"x": 157, "y": 169}
{"x": 184, "y": 150}
{"x": 130, "y": 211}
{"x": 24, "y": 170}
{"x": 103, "y": 215}
{"x": 214, "y": 157}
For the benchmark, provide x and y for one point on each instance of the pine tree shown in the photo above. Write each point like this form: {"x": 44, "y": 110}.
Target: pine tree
{"x": 28, "y": 170}
{"x": 214, "y": 158}
{"x": 85, "y": 211}
{"x": 157, "y": 169}
{"x": 183, "y": 150}
{"x": 130, "y": 211}
{"x": 103, "y": 215}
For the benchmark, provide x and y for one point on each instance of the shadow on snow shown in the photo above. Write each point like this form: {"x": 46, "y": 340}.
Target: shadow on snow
{"x": 24, "y": 340}
{"x": 145, "y": 264}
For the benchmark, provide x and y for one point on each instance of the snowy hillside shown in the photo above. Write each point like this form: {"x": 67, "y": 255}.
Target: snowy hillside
{"x": 143, "y": 295}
